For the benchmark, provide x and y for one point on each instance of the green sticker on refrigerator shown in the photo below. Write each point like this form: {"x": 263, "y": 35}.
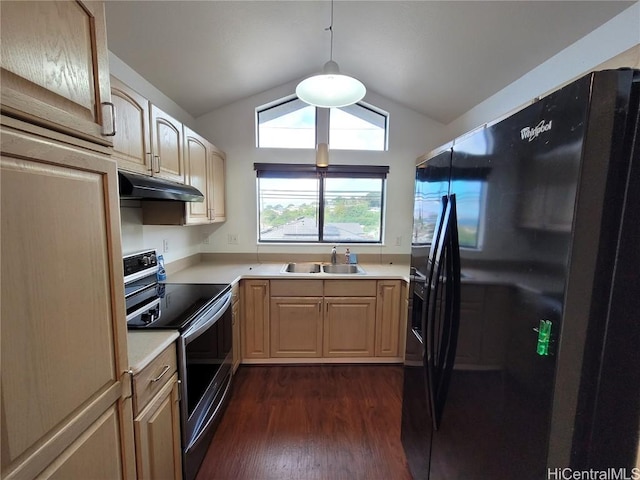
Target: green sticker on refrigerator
{"x": 544, "y": 335}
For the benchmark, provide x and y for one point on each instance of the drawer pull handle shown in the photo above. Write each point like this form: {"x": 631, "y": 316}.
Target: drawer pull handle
{"x": 113, "y": 119}
{"x": 164, "y": 370}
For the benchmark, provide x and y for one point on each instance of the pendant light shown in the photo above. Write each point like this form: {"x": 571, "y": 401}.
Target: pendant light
{"x": 322, "y": 155}
{"x": 330, "y": 88}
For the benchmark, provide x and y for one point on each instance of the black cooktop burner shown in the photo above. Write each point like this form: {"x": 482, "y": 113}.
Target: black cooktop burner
{"x": 180, "y": 304}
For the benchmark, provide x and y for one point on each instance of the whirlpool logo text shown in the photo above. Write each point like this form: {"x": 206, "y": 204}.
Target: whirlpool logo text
{"x": 531, "y": 133}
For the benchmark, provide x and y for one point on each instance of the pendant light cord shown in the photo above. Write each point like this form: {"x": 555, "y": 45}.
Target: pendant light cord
{"x": 330, "y": 28}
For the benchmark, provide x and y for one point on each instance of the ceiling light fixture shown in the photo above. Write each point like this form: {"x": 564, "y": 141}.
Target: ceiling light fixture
{"x": 330, "y": 88}
{"x": 322, "y": 155}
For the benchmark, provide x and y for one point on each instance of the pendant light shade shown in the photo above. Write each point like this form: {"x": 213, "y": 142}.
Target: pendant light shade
{"x": 331, "y": 88}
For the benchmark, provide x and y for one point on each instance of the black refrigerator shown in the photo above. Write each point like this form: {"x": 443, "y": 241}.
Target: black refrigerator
{"x": 523, "y": 335}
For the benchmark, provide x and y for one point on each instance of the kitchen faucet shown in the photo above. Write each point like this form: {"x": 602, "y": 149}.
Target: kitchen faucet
{"x": 333, "y": 256}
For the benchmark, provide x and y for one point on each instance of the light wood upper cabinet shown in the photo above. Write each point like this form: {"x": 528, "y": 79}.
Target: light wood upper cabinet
{"x": 55, "y": 66}
{"x": 132, "y": 141}
{"x": 216, "y": 196}
{"x": 388, "y": 318}
{"x": 167, "y": 145}
{"x": 66, "y": 394}
{"x": 255, "y": 315}
{"x": 197, "y": 152}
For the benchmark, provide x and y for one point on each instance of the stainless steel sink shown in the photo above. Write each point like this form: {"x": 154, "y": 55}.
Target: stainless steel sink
{"x": 342, "y": 268}
{"x": 301, "y": 268}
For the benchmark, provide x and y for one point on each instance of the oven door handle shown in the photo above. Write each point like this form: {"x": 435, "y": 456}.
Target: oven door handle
{"x": 145, "y": 308}
{"x": 210, "y": 420}
{"x": 202, "y": 324}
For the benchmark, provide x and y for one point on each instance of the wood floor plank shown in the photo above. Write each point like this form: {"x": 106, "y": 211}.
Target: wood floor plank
{"x": 310, "y": 422}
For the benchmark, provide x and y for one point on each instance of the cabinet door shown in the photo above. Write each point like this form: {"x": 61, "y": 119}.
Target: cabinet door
{"x": 216, "y": 187}
{"x": 55, "y": 66}
{"x": 349, "y": 327}
{"x": 196, "y": 153}
{"x": 388, "y": 318}
{"x": 157, "y": 427}
{"x": 255, "y": 315}
{"x": 95, "y": 454}
{"x": 296, "y": 326}
{"x": 167, "y": 140}
{"x": 132, "y": 142}
{"x": 63, "y": 345}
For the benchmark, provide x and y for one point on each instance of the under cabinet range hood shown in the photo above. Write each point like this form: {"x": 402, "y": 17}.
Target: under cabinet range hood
{"x": 136, "y": 186}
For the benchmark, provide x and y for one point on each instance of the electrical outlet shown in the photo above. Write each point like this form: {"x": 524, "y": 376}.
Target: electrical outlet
{"x": 205, "y": 239}
{"x": 398, "y": 240}
{"x": 165, "y": 245}
{"x": 232, "y": 238}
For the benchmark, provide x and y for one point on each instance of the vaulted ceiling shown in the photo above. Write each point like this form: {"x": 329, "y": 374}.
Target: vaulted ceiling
{"x": 439, "y": 58}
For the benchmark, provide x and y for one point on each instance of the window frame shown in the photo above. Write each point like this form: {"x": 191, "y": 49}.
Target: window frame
{"x": 292, "y": 171}
{"x": 322, "y": 122}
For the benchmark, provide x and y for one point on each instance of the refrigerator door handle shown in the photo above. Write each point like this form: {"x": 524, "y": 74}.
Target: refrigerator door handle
{"x": 452, "y": 308}
{"x": 430, "y": 299}
{"x": 434, "y": 327}
{"x": 442, "y": 335}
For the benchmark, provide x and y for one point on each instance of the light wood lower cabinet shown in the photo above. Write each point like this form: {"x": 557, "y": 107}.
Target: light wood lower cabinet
{"x": 321, "y": 318}
{"x": 388, "y": 315}
{"x": 296, "y": 326}
{"x": 157, "y": 419}
{"x": 255, "y": 314}
{"x": 349, "y": 327}
{"x": 157, "y": 430}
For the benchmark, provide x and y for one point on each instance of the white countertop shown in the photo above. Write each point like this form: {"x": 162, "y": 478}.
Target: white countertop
{"x": 144, "y": 346}
{"x": 217, "y": 272}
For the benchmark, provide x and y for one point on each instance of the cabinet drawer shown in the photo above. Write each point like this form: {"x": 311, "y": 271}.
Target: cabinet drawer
{"x": 296, "y": 288}
{"x": 350, "y": 288}
{"x": 153, "y": 377}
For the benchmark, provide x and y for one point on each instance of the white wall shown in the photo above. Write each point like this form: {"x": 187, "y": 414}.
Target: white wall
{"x": 232, "y": 128}
{"x": 613, "y": 38}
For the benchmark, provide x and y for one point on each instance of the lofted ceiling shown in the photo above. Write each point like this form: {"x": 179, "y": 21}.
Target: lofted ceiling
{"x": 439, "y": 58}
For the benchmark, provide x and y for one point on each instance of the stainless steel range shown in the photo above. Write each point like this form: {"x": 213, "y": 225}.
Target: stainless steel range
{"x": 202, "y": 315}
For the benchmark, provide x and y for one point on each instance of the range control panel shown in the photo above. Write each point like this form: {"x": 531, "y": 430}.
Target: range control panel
{"x": 140, "y": 264}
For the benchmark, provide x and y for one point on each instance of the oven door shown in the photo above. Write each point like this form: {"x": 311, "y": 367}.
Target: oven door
{"x": 205, "y": 354}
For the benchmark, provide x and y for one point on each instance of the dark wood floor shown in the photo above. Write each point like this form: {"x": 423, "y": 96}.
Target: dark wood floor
{"x": 321, "y": 422}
